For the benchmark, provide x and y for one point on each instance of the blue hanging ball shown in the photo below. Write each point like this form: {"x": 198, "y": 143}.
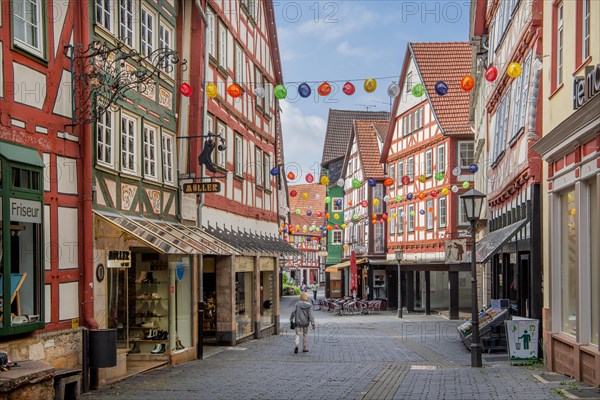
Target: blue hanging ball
{"x": 441, "y": 88}
{"x": 409, "y": 196}
{"x": 338, "y": 202}
{"x": 372, "y": 182}
{"x": 304, "y": 90}
{"x": 422, "y": 212}
{"x": 275, "y": 171}
{"x": 309, "y": 213}
{"x": 473, "y": 168}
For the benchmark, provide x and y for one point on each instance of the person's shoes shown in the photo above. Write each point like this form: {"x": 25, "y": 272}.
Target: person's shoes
{"x": 305, "y": 350}
{"x": 295, "y": 350}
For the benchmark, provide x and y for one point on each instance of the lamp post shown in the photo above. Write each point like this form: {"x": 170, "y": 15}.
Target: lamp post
{"x": 398, "y": 253}
{"x": 472, "y": 202}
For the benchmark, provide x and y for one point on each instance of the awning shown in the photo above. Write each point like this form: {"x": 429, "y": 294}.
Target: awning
{"x": 252, "y": 243}
{"x": 344, "y": 264}
{"x": 493, "y": 241}
{"x": 20, "y": 154}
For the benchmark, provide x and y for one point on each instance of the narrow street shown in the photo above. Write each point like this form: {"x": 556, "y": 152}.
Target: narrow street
{"x": 350, "y": 357}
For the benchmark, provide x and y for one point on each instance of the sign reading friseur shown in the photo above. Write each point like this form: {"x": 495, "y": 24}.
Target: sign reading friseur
{"x": 586, "y": 87}
{"x": 26, "y": 211}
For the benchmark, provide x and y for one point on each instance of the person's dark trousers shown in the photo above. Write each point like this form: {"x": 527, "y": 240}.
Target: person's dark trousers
{"x": 315, "y": 294}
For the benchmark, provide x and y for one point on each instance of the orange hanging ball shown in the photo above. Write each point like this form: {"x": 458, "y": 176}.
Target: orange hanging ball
{"x": 324, "y": 89}
{"x": 388, "y": 182}
{"x": 467, "y": 83}
{"x": 234, "y": 90}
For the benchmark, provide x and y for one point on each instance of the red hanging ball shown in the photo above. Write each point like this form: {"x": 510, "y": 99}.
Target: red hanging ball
{"x": 491, "y": 73}
{"x": 185, "y": 89}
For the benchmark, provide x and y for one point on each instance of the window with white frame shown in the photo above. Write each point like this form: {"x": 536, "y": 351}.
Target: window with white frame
{"x": 418, "y": 118}
{"x": 337, "y": 204}
{"x": 222, "y": 56}
{"x": 126, "y": 31}
{"x": 28, "y": 26}
{"x": 378, "y": 194}
{"x": 260, "y": 83}
{"x": 411, "y": 217}
{"x": 336, "y": 236}
{"x": 586, "y": 29}
{"x": 465, "y": 154}
{"x": 379, "y": 238}
{"x": 147, "y": 32}
{"x": 400, "y": 173}
{"x": 128, "y": 144}
{"x": 521, "y": 92}
{"x": 559, "y": 45}
{"x": 392, "y": 172}
{"x": 429, "y": 163}
{"x": 410, "y": 168}
{"x": 211, "y": 36}
{"x": 167, "y": 158}
{"x": 429, "y": 214}
{"x": 409, "y": 82}
{"x": 501, "y": 127}
{"x": 259, "y": 167}
{"x": 165, "y": 41}
{"x": 150, "y": 152}
{"x": 104, "y": 14}
{"x": 239, "y": 156}
{"x": 442, "y": 212}
{"x": 462, "y": 212}
{"x": 239, "y": 64}
{"x": 267, "y": 170}
{"x": 400, "y": 220}
{"x": 525, "y": 89}
{"x": 222, "y": 155}
{"x": 441, "y": 159}
{"x": 104, "y": 138}
{"x": 392, "y": 226}
{"x": 209, "y": 127}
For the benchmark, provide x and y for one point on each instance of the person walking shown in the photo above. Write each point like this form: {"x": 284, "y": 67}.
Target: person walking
{"x": 303, "y": 316}
{"x": 315, "y": 289}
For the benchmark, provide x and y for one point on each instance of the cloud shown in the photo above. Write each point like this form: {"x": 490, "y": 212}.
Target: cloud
{"x": 303, "y": 137}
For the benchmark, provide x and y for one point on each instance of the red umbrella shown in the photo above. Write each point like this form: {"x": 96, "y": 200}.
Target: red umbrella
{"x": 353, "y": 273}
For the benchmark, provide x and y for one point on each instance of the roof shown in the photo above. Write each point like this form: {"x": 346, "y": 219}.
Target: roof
{"x": 21, "y": 154}
{"x": 250, "y": 243}
{"x": 367, "y": 140}
{"x": 314, "y": 203}
{"x": 339, "y": 124}
{"x": 448, "y": 62}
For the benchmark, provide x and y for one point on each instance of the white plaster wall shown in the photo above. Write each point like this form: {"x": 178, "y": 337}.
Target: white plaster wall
{"x": 68, "y": 300}
{"x": 29, "y": 86}
{"x": 66, "y": 173}
{"x": 68, "y": 239}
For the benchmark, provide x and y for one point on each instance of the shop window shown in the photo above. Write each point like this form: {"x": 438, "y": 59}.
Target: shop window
{"x": 267, "y": 297}
{"x": 568, "y": 269}
{"x": 244, "y": 315}
{"x": 180, "y": 266}
{"x": 594, "y": 233}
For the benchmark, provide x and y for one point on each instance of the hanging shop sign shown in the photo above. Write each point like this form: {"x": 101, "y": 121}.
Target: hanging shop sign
{"x": 586, "y": 87}
{"x": 119, "y": 259}
{"x": 26, "y": 211}
{"x": 202, "y": 187}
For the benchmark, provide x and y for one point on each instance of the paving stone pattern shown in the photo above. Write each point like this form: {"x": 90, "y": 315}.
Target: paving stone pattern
{"x": 350, "y": 357}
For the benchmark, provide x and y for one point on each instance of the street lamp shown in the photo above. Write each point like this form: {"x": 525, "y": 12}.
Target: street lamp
{"x": 472, "y": 202}
{"x": 398, "y": 253}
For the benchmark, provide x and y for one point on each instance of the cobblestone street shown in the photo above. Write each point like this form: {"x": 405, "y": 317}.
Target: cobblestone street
{"x": 350, "y": 357}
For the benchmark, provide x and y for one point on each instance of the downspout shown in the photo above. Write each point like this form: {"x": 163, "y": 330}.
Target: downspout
{"x": 87, "y": 198}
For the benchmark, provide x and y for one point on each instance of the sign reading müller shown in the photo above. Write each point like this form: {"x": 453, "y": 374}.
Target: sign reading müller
{"x": 586, "y": 87}
{"x": 202, "y": 187}
{"x": 26, "y": 211}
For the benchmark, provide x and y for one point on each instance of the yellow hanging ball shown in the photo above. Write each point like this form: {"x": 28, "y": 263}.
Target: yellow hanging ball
{"x": 444, "y": 191}
{"x": 324, "y": 180}
{"x": 211, "y": 90}
{"x": 370, "y": 85}
{"x": 514, "y": 69}
{"x": 305, "y": 196}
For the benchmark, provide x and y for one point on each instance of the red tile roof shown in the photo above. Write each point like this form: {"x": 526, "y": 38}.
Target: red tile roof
{"x": 313, "y": 204}
{"x": 448, "y": 62}
{"x": 367, "y": 140}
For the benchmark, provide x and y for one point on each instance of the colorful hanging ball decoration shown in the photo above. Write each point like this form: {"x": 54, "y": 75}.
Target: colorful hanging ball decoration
{"x": 324, "y": 89}
{"x": 409, "y": 196}
{"x": 370, "y": 85}
{"x": 309, "y": 178}
{"x": 393, "y": 90}
{"x": 336, "y": 216}
{"x": 355, "y": 217}
{"x": 399, "y": 197}
{"x": 324, "y": 180}
{"x": 355, "y": 183}
{"x": 364, "y": 203}
{"x": 456, "y": 171}
{"x": 376, "y": 202}
{"x": 441, "y": 88}
{"x": 384, "y": 216}
{"x": 466, "y": 184}
{"x": 259, "y": 92}
{"x": 491, "y": 73}
{"x": 185, "y": 89}
{"x": 422, "y": 212}
{"x": 386, "y": 198}
{"x": 350, "y": 203}
{"x": 422, "y": 178}
{"x": 467, "y": 83}
{"x": 444, "y": 191}
{"x": 439, "y": 176}
{"x": 340, "y": 182}
{"x": 304, "y": 196}
{"x": 234, "y": 90}
{"x": 405, "y": 180}
{"x": 373, "y": 216}
{"x": 348, "y": 89}
{"x": 297, "y": 211}
{"x": 394, "y": 215}
{"x": 344, "y": 226}
{"x": 319, "y": 214}
{"x": 421, "y": 196}
{"x": 418, "y": 90}
{"x": 308, "y": 212}
{"x": 338, "y": 202}
{"x": 372, "y": 182}
{"x": 327, "y": 215}
{"x": 293, "y": 193}
{"x": 211, "y": 90}
{"x": 514, "y": 70}
{"x": 454, "y": 188}
{"x": 327, "y": 200}
{"x": 329, "y": 227}
{"x": 388, "y": 182}
{"x": 280, "y": 92}
{"x": 433, "y": 193}
{"x": 291, "y": 176}
{"x": 430, "y": 209}
{"x": 275, "y": 171}
{"x": 304, "y": 90}
{"x": 573, "y": 211}
{"x": 336, "y": 226}
{"x": 412, "y": 213}
{"x": 473, "y": 168}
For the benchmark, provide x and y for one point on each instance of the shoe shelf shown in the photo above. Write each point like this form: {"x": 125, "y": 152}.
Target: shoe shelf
{"x": 149, "y": 340}
{"x": 158, "y": 299}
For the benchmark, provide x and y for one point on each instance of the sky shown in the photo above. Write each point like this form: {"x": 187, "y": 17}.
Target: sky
{"x": 337, "y": 41}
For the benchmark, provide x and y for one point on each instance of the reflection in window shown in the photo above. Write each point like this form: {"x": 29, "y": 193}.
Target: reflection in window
{"x": 244, "y": 315}
{"x": 267, "y": 299}
{"x": 568, "y": 234}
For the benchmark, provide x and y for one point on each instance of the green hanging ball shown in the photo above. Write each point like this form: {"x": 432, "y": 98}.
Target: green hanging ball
{"x": 327, "y": 200}
{"x": 439, "y": 176}
{"x": 298, "y": 211}
{"x": 466, "y": 185}
{"x": 418, "y": 90}
{"x": 355, "y": 183}
{"x": 399, "y": 197}
{"x": 280, "y": 92}
{"x": 355, "y": 217}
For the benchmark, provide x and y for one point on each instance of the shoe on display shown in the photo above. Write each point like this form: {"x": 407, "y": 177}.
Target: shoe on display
{"x": 142, "y": 277}
{"x": 163, "y": 348}
{"x": 155, "y": 296}
{"x": 149, "y": 278}
{"x": 179, "y": 345}
{"x": 148, "y": 325}
{"x": 135, "y": 349}
{"x": 152, "y": 333}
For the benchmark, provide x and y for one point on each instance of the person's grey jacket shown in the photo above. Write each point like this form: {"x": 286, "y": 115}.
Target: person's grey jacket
{"x": 303, "y": 314}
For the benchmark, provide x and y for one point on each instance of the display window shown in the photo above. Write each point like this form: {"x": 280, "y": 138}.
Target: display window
{"x": 267, "y": 299}
{"x": 594, "y": 232}
{"x": 244, "y": 315}
{"x": 568, "y": 233}
{"x": 181, "y": 267}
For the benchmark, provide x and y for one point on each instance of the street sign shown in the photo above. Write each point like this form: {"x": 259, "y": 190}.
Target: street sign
{"x": 202, "y": 187}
